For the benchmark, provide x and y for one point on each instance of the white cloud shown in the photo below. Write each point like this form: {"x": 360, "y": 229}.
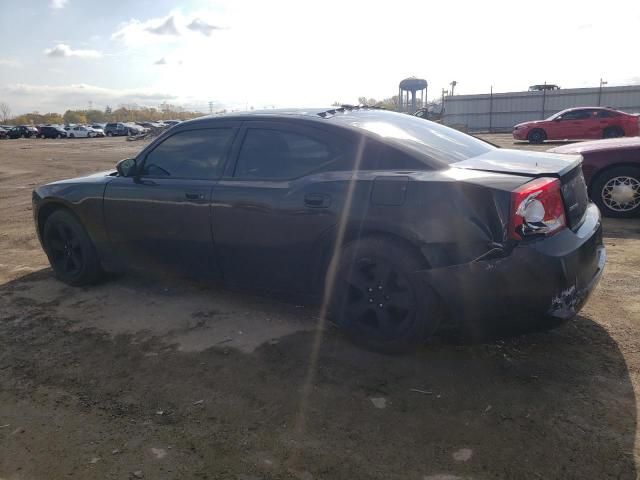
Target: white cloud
{"x": 63, "y": 50}
{"x": 171, "y": 28}
{"x": 58, "y": 4}
{"x": 199, "y": 25}
{"x": 9, "y": 62}
{"x": 168, "y": 27}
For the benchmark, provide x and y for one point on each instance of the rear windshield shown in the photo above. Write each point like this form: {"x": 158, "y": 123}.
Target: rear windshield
{"x": 421, "y": 136}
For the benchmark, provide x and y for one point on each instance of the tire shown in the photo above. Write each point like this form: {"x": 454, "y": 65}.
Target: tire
{"x": 72, "y": 136}
{"x": 71, "y": 252}
{"x": 376, "y": 301}
{"x": 109, "y": 134}
{"x": 23, "y": 136}
{"x": 59, "y": 136}
{"x": 537, "y": 136}
{"x": 612, "y": 132}
{"x": 617, "y": 192}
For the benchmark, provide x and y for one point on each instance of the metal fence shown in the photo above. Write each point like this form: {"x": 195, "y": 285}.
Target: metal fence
{"x": 499, "y": 112}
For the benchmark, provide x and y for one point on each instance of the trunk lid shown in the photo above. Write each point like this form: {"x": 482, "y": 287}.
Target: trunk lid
{"x": 540, "y": 164}
{"x": 520, "y": 162}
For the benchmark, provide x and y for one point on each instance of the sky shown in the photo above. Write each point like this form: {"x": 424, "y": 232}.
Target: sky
{"x": 72, "y": 54}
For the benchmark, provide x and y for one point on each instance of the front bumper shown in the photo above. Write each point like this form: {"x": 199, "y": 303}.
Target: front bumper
{"x": 520, "y": 134}
{"x": 541, "y": 282}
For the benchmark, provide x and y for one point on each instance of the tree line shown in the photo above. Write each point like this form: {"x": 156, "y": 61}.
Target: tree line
{"x": 122, "y": 114}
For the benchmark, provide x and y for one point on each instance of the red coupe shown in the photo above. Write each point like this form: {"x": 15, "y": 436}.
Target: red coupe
{"x": 579, "y": 124}
{"x": 612, "y": 172}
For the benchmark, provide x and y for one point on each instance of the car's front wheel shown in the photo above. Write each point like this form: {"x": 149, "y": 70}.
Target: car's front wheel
{"x": 71, "y": 252}
{"x": 536, "y": 136}
{"x": 377, "y": 301}
{"x": 617, "y": 192}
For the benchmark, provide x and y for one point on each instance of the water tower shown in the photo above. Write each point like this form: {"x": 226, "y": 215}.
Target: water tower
{"x": 411, "y": 86}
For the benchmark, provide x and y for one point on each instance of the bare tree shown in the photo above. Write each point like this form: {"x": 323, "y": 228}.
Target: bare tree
{"x": 5, "y": 111}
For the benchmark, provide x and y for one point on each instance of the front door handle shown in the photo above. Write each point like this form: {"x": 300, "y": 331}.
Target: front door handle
{"x": 317, "y": 200}
{"x": 194, "y": 196}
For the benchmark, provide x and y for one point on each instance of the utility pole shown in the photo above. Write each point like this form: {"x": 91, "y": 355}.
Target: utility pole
{"x": 453, "y": 86}
{"x": 444, "y": 92}
{"x": 90, "y": 105}
{"x": 210, "y": 107}
{"x": 602, "y": 83}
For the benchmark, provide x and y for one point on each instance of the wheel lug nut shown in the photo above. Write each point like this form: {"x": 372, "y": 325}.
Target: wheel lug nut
{"x": 370, "y": 289}
{"x": 380, "y": 305}
{"x": 371, "y": 300}
{"x": 379, "y": 287}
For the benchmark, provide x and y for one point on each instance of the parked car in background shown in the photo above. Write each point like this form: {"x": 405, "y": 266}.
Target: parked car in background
{"x": 80, "y": 131}
{"x": 612, "y": 173}
{"x": 171, "y": 123}
{"x": 135, "y": 129}
{"x": 3, "y": 133}
{"x": 99, "y": 132}
{"x": 116, "y": 129}
{"x": 580, "y": 124}
{"x": 23, "y": 131}
{"x": 53, "y": 131}
{"x": 413, "y": 216}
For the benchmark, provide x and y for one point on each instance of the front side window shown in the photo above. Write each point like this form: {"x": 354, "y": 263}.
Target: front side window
{"x": 278, "y": 154}
{"x": 189, "y": 154}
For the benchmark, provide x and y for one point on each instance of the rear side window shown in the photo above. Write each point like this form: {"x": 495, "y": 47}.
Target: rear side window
{"x": 278, "y": 154}
{"x": 605, "y": 114}
{"x": 190, "y": 154}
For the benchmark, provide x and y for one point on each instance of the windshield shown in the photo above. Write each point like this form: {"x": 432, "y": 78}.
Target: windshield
{"x": 426, "y": 138}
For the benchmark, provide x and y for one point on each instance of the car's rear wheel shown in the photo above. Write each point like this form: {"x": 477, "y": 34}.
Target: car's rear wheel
{"x": 71, "y": 252}
{"x": 612, "y": 132}
{"x": 59, "y": 136}
{"x": 72, "y": 136}
{"x": 617, "y": 192}
{"x": 536, "y": 136}
{"x": 109, "y": 134}
{"x": 377, "y": 301}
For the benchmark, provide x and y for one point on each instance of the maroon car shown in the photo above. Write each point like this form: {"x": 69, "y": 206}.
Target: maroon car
{"x": 612, "y": 171}
{"x": 583, "y": 123}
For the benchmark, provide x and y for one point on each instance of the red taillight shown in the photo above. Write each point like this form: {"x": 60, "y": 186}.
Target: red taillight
{"x": 536, "y": 209}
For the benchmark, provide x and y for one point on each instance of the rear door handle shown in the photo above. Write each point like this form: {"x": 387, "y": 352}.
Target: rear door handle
{"x": 194, "y": 196}
{"x": 317, "y": 200}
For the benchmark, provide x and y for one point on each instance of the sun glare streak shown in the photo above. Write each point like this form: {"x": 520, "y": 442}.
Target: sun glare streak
{"x": 329, "y": 284}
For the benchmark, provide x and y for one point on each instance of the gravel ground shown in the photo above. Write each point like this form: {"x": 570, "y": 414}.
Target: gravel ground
{"x": 165, "y": 379}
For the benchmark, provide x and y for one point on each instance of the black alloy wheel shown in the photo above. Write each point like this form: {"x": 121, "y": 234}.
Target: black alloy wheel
{"x": 71, "y": 253}
{"x": 536, "y": 136}
{"x": 377, "y": 302}
{"x": 65, "y": 249}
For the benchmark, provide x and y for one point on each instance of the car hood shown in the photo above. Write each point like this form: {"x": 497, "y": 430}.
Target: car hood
{"x": 530, "y": 123}
{"x": 519, "y": 162}
{"x": 597, "y": 145}
{"x": 98, "y": 177}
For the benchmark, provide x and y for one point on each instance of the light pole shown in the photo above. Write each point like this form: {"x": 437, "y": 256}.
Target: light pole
{"x": 602, "y": 83}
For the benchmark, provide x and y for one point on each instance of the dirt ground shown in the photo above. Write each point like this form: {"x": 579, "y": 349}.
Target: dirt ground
{"x": 164, "y": 379}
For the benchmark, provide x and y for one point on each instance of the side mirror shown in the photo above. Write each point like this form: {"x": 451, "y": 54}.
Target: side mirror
{"x": 127, "y": 167}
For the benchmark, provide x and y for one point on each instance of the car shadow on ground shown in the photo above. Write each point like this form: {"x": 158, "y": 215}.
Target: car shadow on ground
{"x": 308, "y": 404}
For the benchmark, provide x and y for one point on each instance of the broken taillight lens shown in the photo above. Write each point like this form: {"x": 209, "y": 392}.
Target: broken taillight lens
{"x": 537, "y": 209}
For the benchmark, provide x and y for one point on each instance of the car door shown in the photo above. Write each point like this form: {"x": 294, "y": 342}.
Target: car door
{"x": 160, "y": 219}
{"x": 274, "y": 203}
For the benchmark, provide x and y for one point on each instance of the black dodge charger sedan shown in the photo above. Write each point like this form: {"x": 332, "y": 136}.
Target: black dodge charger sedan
{"x": 397, "y": 225}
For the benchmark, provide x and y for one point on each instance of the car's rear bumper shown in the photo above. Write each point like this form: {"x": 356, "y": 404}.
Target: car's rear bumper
{"x": 543, "y": 280}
